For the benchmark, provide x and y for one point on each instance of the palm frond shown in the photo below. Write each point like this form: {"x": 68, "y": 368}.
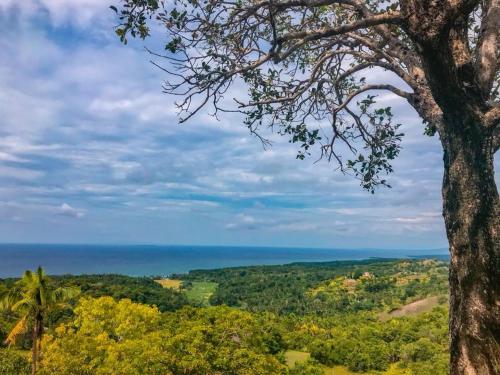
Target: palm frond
{"x": 10, "y": 298}
{"x": 42, "y": 285}
{"x": 63, "y": 294}
{"x": 18, "y": 329}
{"x": 27, "y": 277}
{"x": 24, "y": 303}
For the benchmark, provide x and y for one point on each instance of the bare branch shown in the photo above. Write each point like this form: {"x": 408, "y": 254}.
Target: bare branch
{"x": 302, "y": 63}
{"x": 307, "y": 35}
{"x": 387, "y": 87}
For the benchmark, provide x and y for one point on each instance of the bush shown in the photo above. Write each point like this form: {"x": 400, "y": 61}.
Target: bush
{"x": 307, "y": 368}
{"x": 421, "y": 350}
{"x": 14, "y": 362}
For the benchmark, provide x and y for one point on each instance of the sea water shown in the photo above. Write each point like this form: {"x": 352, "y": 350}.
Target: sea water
{"x": 145, "y": 260}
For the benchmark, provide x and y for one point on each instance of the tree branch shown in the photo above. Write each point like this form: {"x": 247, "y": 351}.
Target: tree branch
{"x": 487, "y": 47}
{"x": 496, "y": 140}
{"x": 387, "y": 87}
{"x": 307, "y": 35}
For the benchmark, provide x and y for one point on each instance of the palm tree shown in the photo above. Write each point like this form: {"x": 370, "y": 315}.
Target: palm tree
{"x": 32, "y": 298}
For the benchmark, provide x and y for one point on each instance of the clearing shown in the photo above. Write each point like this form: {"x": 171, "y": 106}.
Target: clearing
{"x": 341, "y": 370}
{"x": 294, "y": 356}
{"x": 413, "y": 308}
{"x": 200, "y": 292}
{"x": 170, "y": 283}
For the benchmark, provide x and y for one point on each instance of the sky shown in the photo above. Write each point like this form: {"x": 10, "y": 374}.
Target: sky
{"x": 91, "y": 151}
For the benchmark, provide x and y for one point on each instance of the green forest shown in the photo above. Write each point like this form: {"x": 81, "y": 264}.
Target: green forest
{"x": 375, "y": 316}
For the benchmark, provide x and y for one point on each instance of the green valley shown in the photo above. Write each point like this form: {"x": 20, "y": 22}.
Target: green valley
{"x": 378, "y": 316}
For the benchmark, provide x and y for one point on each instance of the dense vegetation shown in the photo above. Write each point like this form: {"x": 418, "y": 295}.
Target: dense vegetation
{"x": 363, "y": 343}
{"x": 336, "y": 314}
{"x": 138, "y": 289}
{"x": 325, "y": 288}
{"x": 138, "y": 339}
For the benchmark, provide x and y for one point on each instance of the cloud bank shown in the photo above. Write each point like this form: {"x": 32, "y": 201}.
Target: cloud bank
{"x": 87, "y": 134}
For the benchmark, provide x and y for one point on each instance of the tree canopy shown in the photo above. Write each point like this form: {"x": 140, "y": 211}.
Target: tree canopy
{"x": 109, "y": 337}
{"x": 320, "y": 311}
{"x": 305, "y": 64}
{"x": 310, "y": 67}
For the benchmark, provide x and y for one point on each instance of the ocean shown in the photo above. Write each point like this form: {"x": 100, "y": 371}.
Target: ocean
{"x": 149, "y": 260}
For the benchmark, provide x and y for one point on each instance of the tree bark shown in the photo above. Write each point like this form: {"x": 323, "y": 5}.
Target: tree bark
{"x": 37, "y": 343}
{"x": 471, "y": 211}
{"x": 34, "y": 349}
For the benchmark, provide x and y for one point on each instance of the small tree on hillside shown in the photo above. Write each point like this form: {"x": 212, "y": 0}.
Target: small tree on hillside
{"x": 303, "y": 63}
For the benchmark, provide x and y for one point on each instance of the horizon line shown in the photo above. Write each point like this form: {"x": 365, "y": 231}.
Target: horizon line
{"x": 216, "y": 245}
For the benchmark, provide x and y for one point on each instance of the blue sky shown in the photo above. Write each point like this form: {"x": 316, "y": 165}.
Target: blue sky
{"x": 91, "y": 152}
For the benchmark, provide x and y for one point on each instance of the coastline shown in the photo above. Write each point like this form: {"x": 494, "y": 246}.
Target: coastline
{"x": 148, "y": 260}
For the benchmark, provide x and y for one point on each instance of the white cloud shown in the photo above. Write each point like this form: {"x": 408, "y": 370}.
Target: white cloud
{"x": 188, "y": 206}
{"x": 4, "y": 156}
{"x": 19, "y": 173}
{"x": 78, "y": 12}
{"x": 83, "y": 120}
{"x": 66, "y": 210}
{"x": 243, "y": 221}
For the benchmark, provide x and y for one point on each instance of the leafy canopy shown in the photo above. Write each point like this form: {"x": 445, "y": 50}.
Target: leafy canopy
{"x": 110, "y": 337}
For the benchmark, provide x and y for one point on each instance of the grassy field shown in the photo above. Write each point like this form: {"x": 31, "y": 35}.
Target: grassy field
{"x": 294, "y": 356}
{"x": 414, "y": 308}
{"x": 170, "y": 283}
{"x": 200, "y": 292}
{"x": 341, "y": 370}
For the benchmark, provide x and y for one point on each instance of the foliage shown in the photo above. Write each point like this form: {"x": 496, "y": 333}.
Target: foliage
{"x": 305, "y": 65}
{"x": 102, "y": 335}
{"x": 138, "y": 289}
{"x": 307, "y": 368}
{"x": 325, "y": 288}
{"x": 223, "y": 339}
{"x": 14, "y": 362}
{"x": 31, "y": 299}
{"x": 293, "y": 83}
{"x": 362, "y": 344}
{"x": 108, "y": 337}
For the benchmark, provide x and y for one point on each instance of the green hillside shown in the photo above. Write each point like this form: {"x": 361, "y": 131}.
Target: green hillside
{"x": 368, "y": 317}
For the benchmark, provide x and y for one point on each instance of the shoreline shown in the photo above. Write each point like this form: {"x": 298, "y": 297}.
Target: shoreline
{"x": 178, "y": 275}
{"x": 169, "y": 260}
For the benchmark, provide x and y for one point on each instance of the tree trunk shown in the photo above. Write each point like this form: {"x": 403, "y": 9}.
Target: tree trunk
{"x": 37, "y": 343}
{"x": 39, "y": 338}
{"x": 471, "y": 211}
{"x": 34, "y": 349}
